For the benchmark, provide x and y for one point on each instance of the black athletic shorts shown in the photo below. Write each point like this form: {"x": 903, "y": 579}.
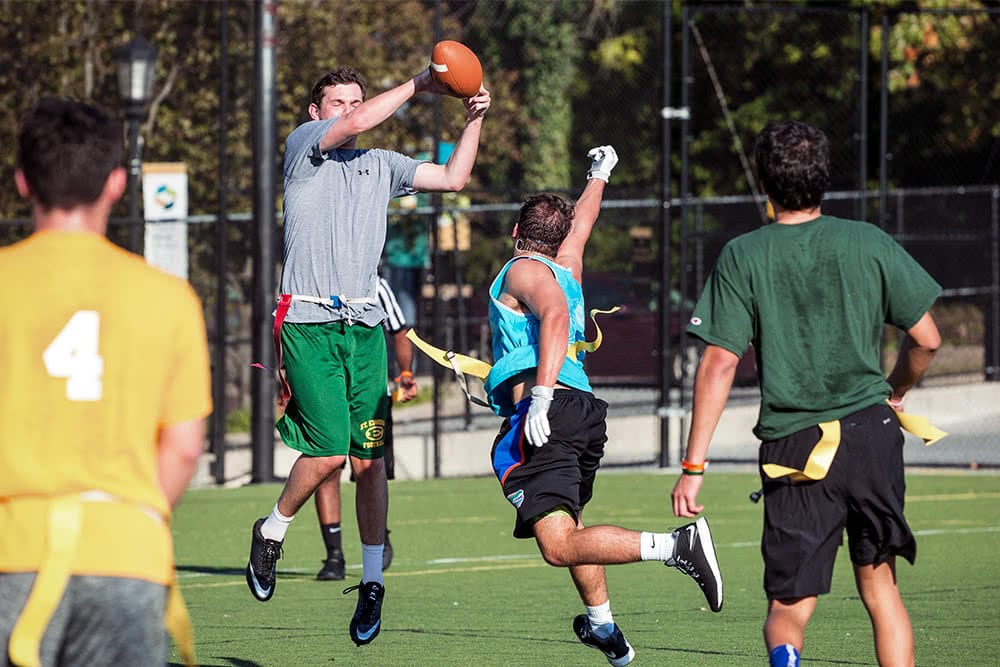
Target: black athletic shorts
{"x": 560, "y": 473}
{"x": 863, "y": 492}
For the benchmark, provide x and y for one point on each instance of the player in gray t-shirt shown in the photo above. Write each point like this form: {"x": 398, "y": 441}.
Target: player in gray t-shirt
{"x": 331, "y": 346}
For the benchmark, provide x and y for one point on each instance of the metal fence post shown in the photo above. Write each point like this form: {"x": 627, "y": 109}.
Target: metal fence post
{"x": 265, "y": 138}
{"x": 992, "y": 341}
{"x": 863, "y": 37}
{"x": 666, "y": 239}
{"x": 218, "y": 443}
{"x": 685, "y": 184}
{"x": 883, "y": 130}
{"x": 436, "y": 327}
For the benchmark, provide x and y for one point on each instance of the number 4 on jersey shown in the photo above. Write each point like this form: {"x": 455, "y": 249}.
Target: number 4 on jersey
{"x": 73, "y": 355}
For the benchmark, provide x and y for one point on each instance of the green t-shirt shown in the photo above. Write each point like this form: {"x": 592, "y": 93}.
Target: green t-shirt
{"x": 812, "y": 298}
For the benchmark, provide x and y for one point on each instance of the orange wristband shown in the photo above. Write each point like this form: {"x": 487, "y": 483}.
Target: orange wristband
{"x": 689, "y": 468}
{"x": 404, "y": 374}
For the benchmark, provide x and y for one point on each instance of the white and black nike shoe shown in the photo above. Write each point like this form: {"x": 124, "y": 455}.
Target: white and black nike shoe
{"x": 263, "y": 564}
{"x": 694, "y": 555}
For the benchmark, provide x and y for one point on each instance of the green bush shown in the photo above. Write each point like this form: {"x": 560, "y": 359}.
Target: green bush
{"x": 238, "y": 421}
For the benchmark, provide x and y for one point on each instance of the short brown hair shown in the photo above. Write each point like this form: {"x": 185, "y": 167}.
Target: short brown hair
{"x": 793, "y": 162}
{"x": 543, "y": 223}
{"x": 66, "y": 151}
{"x": 341, "y": 75}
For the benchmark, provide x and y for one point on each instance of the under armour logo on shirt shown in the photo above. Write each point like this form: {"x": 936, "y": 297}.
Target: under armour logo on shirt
{"x": 364, "y": 172}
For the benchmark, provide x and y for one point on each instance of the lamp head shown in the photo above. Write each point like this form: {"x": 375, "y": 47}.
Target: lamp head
{"x": 136, "y": 66}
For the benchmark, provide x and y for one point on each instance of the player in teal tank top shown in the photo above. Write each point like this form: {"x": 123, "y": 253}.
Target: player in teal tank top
{"x": 549, "y": 448}
{"x": 812, "y": 292}
{"x": 515, "y": 336}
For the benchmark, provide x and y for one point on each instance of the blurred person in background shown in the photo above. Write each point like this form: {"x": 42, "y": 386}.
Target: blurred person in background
{"x": 402, "y": 388}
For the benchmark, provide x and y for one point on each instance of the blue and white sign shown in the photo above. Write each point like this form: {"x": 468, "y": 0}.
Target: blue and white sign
{"x": 165, "y": 203}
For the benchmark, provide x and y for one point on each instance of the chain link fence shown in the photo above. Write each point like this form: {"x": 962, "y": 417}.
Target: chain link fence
{"x": 877, "y": 83}
{"x": 916, "y": 151}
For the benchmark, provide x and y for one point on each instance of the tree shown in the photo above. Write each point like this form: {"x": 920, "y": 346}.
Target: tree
{"x": 944, "y": 93}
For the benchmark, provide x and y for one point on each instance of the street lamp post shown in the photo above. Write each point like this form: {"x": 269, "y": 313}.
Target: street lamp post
{"x": 136, "y": 64}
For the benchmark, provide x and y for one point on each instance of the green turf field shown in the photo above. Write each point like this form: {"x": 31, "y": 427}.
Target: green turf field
{"x": 462, "y": 591}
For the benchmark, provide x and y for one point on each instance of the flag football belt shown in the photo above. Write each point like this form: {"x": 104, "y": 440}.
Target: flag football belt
{"x": 821, "y": 456}
{"x": 284, "y": 303}
{"x": 65, "y": 515}
{"x": 465, "y": 366}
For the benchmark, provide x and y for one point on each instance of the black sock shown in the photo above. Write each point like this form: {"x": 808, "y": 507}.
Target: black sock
{"x": 331, "y": 538}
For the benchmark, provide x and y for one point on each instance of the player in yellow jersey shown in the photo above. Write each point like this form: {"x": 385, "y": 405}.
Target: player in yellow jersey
{"x": 105, "y": 391}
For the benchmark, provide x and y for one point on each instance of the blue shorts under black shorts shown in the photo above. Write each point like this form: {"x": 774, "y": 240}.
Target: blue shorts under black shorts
{"x": 560, "y": 473}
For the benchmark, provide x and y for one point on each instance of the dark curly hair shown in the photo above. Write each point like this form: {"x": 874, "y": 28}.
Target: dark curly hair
{"x": 67, "y": 150}
{"x": 543, "y": 223}
{"x": 793, "y": 162}
{"x": 341, "y": 75}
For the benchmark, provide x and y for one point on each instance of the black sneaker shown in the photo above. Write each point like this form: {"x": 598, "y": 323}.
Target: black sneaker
{"x": 694, "y": 555}
{"x": 367, "y": 621}
{"x": 387, "y": 552}
{"x": 333, "y": 568}
{"x": 615, "y": 648}
{"x": 264, "y": 555}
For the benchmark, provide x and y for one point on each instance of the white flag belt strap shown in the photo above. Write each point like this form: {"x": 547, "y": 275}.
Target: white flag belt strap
{"x": 284, "y": 303}
{"x": 334, "y": 300}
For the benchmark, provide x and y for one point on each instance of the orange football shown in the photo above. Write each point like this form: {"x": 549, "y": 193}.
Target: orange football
{"x": 456, "y": 66}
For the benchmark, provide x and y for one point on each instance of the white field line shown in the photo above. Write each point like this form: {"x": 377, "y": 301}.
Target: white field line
{"x": 928, "y": 532}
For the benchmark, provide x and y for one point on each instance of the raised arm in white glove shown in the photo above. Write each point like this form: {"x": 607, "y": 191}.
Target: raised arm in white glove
{"x": 604, "y": 160}
{"x": 536, "y": 423}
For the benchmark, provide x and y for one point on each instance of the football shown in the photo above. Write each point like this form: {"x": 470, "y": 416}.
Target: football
{"x": 456, "y": 66}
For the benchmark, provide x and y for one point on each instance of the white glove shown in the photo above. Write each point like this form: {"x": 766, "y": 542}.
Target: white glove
{"x": 604, "y": 160}
{"x": 536, "y": 424}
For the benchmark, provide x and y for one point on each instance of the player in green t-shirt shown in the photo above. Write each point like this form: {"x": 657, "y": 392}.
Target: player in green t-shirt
{"x": 812, "y": 293}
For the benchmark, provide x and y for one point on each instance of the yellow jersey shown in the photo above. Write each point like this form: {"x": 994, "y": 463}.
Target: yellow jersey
{"x": 99, "y": 351}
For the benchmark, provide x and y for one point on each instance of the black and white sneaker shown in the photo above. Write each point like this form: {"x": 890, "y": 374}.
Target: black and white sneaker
{"x": 694, "y": 555}
{"x": 367, "y": 621}
{"x": 615, "y": 648}
{"x": 263, "y": 563}
{"x": 333, "y": 568}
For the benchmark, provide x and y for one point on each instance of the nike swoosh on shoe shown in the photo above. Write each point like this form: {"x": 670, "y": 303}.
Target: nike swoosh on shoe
{"x": 261, "y": 591}
{"x": 372, "y": 631}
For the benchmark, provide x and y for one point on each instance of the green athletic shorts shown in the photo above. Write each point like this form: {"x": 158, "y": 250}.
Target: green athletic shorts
{"x": 337, "y": 374}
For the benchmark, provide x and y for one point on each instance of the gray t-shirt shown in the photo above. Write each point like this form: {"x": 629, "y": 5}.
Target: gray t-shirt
{"x": 335, "y": 221}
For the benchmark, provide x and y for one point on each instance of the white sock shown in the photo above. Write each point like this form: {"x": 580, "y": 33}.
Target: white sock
{"x": 656, "y": 546}
{"x": 600, "y": 616}
{"x": 371, "y": 563}
{"x": 276, "y": 525}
